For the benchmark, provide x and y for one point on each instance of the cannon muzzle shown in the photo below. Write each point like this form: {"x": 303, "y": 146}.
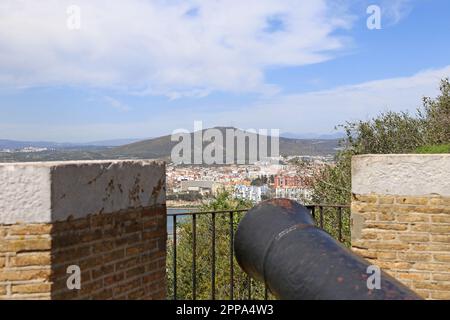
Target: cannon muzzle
{"x": 278, "y": 243}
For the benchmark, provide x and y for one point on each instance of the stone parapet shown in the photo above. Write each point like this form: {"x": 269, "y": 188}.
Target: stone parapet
{"x": 401, "y": 218}
{"x": 107, "y": 218}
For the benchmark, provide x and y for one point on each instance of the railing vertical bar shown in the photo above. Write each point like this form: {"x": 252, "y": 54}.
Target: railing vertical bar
{"x": 340, "y": 223}
{"x": 249, "y": 287}
{"x": 231, "y": 256}
{"x": 313, "y": 212}
{"x": 321, "y": 216}
{"x": 174, "y": 257}
{"x": 213, "y": 263}
{"x": 194, "y": 257}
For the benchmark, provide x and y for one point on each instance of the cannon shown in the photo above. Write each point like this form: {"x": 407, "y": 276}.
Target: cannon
{"x": 278, "y": 243}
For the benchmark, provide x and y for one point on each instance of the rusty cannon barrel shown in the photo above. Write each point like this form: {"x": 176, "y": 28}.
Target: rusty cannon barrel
{"x": 278, "y": 243}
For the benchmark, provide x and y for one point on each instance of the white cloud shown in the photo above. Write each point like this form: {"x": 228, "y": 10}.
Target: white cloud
{"x": 116, "y": 104}
{"x": 316, "y": 112}
{"x": 320, "y": 111}
{"x": 170, "y": 47}
{"x": 395, "y": 10}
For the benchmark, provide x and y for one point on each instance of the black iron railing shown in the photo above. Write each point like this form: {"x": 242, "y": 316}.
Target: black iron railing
{"x": 333, "y": 218}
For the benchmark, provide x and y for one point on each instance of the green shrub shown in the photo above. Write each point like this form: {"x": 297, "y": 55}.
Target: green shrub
{"x": 442, "y": 148}
{"x": 427, "y": 131}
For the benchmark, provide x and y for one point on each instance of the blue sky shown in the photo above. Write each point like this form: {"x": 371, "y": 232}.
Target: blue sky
{"x": 147, "y": 68}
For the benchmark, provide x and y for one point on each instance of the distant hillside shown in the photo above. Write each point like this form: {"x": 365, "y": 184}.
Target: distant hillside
{"x": 161, "y": 147}
{"x": 15, "y": 144}
{"x": 311, "y": 136}
{"x": 157, "y": 148}
{"x": 111, "y": 143}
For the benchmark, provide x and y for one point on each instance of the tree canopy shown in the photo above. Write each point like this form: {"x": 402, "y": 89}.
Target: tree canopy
{"x": 390, "y": 132}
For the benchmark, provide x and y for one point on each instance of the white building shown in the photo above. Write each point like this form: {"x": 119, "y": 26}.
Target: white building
{"x": 203, "y": 187}
{"x": 252, "y": 193}
{"x": 293, "y": 193}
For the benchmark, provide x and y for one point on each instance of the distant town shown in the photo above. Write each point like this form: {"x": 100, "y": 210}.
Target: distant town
{"x": 26, "y": 150}
{"x": 190, "y": 186}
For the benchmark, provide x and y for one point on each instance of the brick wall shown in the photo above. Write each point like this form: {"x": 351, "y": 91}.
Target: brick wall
{"x": 25, "y": 254}
{"x": 401, "y": 218}
{"x": 116, "y": 234}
